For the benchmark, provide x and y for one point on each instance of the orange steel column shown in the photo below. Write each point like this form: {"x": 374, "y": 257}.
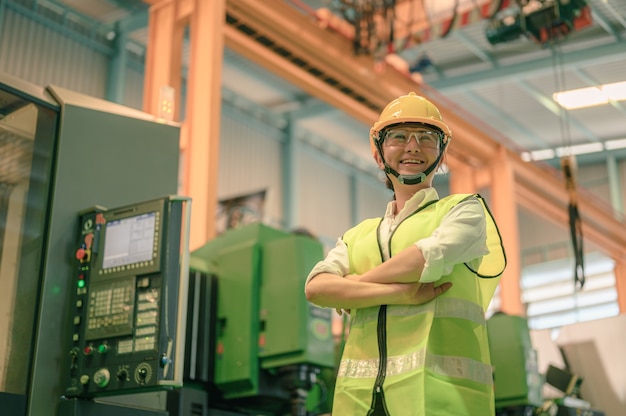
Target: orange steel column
{"x": 202, "y": 121}
{"x": 462, "y": 180}
{"x": 504, "y": 209}
{"x": 200, "y": 130}
{"x": 620, "y": 284}
{"x": 163, "y": 55}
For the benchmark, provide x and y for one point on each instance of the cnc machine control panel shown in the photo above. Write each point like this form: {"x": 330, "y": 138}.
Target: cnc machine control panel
{"x": 129, "y": 281}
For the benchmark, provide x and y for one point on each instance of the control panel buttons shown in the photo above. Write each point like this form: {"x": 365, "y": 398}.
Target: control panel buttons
{"x": 122, "y": 374}
{"x": 143, "y": 373}
{"x": 83, "y": 255}
{"x": 102, "y": 377}
{"x": 164, "y": 360}
{"x": 74, "y": 356}
{"x": 84, "y": 379}
{"x": 103, "y": 348}
{"x": 88, "y": 350}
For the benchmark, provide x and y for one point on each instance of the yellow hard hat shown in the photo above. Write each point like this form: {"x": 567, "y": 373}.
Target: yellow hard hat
{"x": 410, "y": 108}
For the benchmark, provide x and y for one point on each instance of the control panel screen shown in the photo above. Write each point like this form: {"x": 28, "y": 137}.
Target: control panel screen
{"x": 129, "y": 240}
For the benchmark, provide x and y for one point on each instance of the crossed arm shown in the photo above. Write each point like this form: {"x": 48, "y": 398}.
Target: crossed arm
{"x": 459, "y": 238}
{"x": 394, "y": 282}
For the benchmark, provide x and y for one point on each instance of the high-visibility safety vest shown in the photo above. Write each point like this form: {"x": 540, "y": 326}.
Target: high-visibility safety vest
{"x": 420, "y": 360}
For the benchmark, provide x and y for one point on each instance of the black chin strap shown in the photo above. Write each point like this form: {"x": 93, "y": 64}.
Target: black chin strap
{"x": 409, "y": 179}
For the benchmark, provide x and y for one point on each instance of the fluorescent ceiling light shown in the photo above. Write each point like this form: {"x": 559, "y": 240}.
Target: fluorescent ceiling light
{"x": 615, "y": 91}
{"x": 591, "y": 96}
{"x": 542, "y": 154}
{"x": 580, "y": 149}
{"x": 615, "y": 144}
{"x": 580, "y": 98}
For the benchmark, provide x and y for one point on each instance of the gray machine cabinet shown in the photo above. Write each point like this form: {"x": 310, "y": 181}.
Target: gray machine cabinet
{"x": 107, "y": 155}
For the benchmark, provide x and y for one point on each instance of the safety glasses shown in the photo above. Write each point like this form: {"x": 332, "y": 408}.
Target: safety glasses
{"x": 400, "y": 136}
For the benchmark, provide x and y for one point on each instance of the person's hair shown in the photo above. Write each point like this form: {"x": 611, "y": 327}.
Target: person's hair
{"x": 388, "y": 183}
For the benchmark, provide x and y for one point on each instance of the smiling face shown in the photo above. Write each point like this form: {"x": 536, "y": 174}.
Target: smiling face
{"x": 410, "y": 149}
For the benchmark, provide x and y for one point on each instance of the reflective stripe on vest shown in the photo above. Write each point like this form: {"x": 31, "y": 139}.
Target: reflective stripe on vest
{"x": 459, "y": 367}
{"x": 442, "y": 307}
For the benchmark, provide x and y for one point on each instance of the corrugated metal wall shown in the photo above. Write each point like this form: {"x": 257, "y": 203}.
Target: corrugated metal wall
{"x": 371, "y": 198}
{"x": 323, "y": 196}
{"x": 250, "y": 161}
{"x": 41, "y": 55}
{"x": 133, "y": 89}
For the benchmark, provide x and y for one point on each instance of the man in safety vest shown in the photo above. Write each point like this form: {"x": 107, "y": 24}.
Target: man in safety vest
{"x": 417, "y": 283}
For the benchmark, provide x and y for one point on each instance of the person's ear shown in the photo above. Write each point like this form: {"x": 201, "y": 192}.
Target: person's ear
{"x": 379, "y": 160}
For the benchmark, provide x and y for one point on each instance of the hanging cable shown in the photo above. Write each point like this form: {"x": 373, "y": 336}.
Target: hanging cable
{"x": 569, "y": 168}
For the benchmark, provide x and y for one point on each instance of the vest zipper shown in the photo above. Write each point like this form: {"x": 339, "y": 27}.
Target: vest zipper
{"x": 379, "y": 406}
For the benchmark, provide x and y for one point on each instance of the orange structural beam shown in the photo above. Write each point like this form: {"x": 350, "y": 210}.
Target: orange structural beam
{"x": 204, "y": 98}
{"x": 200, "y": 131}
{"x": 163, "y": 55}
{"x": 504, "y": 206}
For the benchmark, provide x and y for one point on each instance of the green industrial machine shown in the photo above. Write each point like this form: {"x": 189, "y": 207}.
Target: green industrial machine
{"x": 518, "y": 383}
{"x": 270, "y": 343}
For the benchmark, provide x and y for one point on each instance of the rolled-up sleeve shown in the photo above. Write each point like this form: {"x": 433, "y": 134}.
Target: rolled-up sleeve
{"x": 336, "y": 262}
{"x": 460, "y": 238}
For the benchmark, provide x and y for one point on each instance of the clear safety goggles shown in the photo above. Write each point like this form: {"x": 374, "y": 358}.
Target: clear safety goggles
{"x": 425, "y": 137}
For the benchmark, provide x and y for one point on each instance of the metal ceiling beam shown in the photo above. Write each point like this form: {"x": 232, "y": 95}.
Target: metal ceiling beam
{"x": 536, "y": 67}
{"x": 276, "y": 36}
{"x": 550, "y": 105}
{"x": 615, "y": 13}
{"x": 312, "y": 49}
{"x": 602, "y": 21}
{"x": 251, "y": 49}
{"x": 472, "y": 47}
{"x": 498, "y": 113}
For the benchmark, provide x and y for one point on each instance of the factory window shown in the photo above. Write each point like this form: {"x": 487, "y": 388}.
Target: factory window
{"x": 552, "y": 300}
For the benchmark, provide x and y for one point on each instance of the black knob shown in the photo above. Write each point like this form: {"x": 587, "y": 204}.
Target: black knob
{"x": 122, "y": 375}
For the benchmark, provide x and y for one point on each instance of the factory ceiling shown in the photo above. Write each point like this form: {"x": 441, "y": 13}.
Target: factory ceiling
{"x": 494, "y": 64}
{"x": 501, "y": 76}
